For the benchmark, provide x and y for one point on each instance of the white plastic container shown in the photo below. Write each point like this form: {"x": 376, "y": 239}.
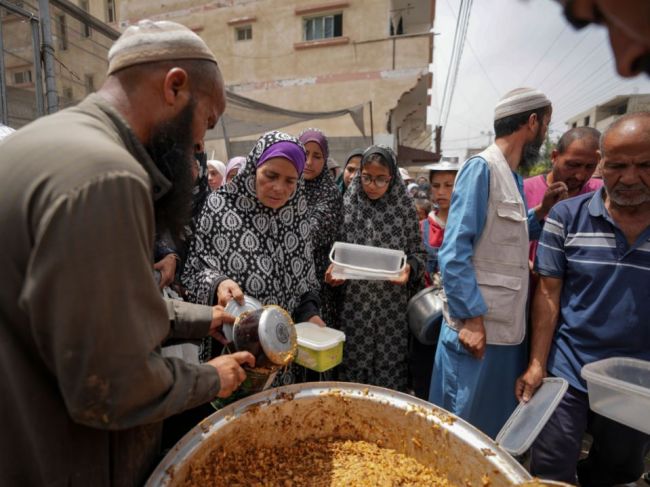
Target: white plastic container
{"x": 528, "y": 419}
{"x": 353, "y": 261}
{"x": 619, "y": 388}
{"x": 319, "y": 348}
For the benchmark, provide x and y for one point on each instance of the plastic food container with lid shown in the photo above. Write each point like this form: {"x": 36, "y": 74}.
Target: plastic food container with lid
{"x": 528, "y": 419}
{"x": 619, "y": 388}
{"x": 319, "y": 348}
{"x": 364, "y": 262}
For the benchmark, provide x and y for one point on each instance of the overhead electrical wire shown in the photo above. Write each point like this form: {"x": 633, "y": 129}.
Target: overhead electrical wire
{"x": 451, "y": 63}
{"x": 460, "y": 37}
{"x": 557, "y": 38}
{"x": 577, "y": 67}
{"x": 566, "y": 55}
{"x": 461, "y": 47}
{"x": 579, "y": 86}
{"x": 480, "y": 64}
{"x": 591, "y": 98}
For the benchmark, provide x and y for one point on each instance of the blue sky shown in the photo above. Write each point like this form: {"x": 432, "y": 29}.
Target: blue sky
{"x": 513, "y": 43}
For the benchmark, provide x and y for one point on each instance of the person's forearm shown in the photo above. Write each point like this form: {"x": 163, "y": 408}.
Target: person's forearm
{"x": 546, "y": 310}
{"x": 188, "y": 320}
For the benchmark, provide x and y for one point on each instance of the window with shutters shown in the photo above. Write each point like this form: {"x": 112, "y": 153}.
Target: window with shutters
{"x": 244, "y": 33}
{"x": 22, "y": 77}
{"x": 323, "y": 27}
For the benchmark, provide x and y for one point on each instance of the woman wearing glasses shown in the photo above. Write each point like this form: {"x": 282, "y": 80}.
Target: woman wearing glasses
{"x": 378, "y": 211}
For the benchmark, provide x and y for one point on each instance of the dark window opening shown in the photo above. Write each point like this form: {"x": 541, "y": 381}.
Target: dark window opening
{"x": 90, "y": 83}
{"x": 110, "y": 11}
{"x": 63, "y": 32}
{"x": 397, "y": 30}
{"x": 85, "y": 28}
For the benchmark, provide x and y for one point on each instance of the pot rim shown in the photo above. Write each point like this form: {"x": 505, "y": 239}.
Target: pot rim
{"x": 192, "y": 441}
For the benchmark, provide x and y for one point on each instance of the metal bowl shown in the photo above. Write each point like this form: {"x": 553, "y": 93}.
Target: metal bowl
{"x": 424, "y": 312}
{"x": 290, "y": 414}
{"x": 235, "y": 309}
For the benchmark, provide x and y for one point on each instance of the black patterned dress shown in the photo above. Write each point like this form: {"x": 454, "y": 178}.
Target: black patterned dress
{"x": 373, "y": 314}
{"x": 325, "y": 217}
{"x": 267, "y": 252}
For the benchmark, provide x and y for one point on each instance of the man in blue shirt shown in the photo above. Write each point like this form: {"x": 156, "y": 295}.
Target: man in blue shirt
{"x": 593, "y": 302}
{"x": 484, "y": 267}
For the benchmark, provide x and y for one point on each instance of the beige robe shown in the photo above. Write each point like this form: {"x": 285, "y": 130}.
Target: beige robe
{"x": 83, "y": 386}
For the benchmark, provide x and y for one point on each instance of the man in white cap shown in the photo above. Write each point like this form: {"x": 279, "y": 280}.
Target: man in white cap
{"x": 484, "y": 267}
{"x": 84, "y": 385}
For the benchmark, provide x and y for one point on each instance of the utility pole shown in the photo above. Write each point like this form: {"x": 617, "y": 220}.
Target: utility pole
{"x": 48, "y": 56}
{"x": 3, "y": 87}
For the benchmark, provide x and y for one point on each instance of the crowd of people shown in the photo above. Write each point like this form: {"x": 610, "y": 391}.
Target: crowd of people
{"x": 538, "y": 277}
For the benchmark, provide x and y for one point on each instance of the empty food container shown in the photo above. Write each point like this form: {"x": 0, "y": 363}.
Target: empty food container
{"x": 619, "y": 388}
{"x": 527, "y": 421}
{"x": 353, "y": 261}
{"x": 319, "y": 348}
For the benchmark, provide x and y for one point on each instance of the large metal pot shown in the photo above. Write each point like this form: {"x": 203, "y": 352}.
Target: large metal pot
{"x": 424, "y": 312}
{"x": 289, "y": 414}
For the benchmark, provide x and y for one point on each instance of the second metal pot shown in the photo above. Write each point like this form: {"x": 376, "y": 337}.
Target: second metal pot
{"x": 425, "y": 316}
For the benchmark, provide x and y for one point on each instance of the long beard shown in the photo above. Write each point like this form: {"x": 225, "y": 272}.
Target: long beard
{"x": 171, "y": 149}
{"x": 530, "y": 152}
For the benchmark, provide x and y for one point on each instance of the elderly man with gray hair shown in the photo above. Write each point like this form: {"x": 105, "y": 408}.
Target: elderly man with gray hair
{"x": 84, "y": 386}
{"x": 592, "y": 303}
{"x": 484, "y": 267}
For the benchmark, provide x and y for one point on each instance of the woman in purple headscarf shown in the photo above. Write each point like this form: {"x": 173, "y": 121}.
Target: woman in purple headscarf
{"x": 325, "y": 212}
{"x": 253, "y": 235}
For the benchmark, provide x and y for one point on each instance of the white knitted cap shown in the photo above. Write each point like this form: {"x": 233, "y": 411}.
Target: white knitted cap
{"x": 149, "y": 42}
{"x": 519, "y": 101}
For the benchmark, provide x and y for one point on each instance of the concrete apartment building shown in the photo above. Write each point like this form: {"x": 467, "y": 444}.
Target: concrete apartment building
{"x": 601, "y": 116}
{"x": 318, "y": 56}
{"x": 368, "y": 56}
{"x": 79, "y": 51}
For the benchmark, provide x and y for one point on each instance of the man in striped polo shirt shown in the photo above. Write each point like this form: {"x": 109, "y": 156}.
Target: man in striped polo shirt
{"x": 593, "y": 302}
